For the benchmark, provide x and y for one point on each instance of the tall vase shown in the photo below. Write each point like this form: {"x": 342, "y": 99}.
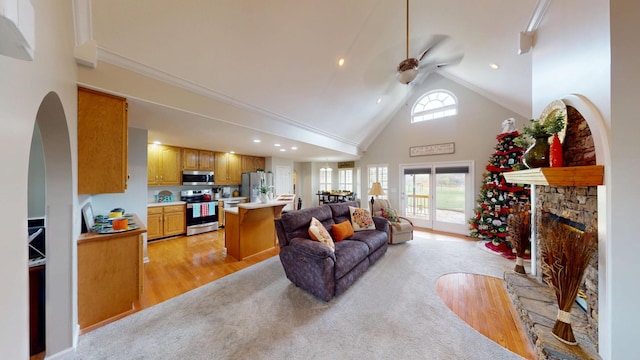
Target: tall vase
{"x": 537, "y": 155}
{"x": 555, "y": 152}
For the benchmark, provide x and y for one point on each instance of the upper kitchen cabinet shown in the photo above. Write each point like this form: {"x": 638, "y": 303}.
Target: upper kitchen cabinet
{"x": 227, "y": 169}
{"x": 194, "y": 159}
{"x": 252, "y": 163}
{"x": 163, "y": 165}
{"x": 102, "y": 142}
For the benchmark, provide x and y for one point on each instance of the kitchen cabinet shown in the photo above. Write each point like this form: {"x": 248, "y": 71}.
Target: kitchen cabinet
{"x": 259, "y": 162}
{"x": 227, "y": 169}
{"x": 221, "y": 214}
{"x": 199, "y": 160}
{"x": 165, "y": 221}
{"x": 154, "y": 222}
{"x": 110, "y": 276}
{"x": 164, "y": 165}
{"x": 102, "y": 142}
{"x": 252, "y": 163}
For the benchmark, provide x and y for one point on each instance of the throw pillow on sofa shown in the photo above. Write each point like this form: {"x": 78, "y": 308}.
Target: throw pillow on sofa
{"x": 318, "y": 232}
{"x": 342, "y": 231}
{"x": 361, "y": 219}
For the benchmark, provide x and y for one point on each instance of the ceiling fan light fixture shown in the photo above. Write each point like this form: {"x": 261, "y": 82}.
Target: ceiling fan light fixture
{"x": 408, "y": 70}
{"x": 407, "y": 76}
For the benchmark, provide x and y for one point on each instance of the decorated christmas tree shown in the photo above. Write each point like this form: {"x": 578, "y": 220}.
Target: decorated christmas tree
{"x": 497, "y": 197}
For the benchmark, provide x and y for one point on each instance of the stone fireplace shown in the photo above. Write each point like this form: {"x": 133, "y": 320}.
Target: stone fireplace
{"x": 570, "y": 192}
{"x": 576, "y": 203}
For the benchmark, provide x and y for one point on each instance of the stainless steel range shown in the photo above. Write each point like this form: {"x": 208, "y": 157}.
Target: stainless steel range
{"x": 202, "y": 211}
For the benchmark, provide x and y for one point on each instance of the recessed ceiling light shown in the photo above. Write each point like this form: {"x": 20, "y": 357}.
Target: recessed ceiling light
{"x": 232, "y": 152}
{"x": 341, "y": 62}
{"x": 276, "y": 145}
{"x": 494, "y": 66}
{"x": 379, "y": 101}
{"x": 294, "y": 148}
{"x": 256, "y": 140}
{"x": 283, "y": 149}
{"x": 157, "y": 142}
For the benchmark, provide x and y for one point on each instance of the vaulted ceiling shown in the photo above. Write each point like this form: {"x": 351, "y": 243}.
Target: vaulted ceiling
{"x": 268, "y": 69}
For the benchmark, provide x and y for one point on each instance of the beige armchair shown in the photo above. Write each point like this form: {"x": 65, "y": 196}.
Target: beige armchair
{"x": 400, "y": 230}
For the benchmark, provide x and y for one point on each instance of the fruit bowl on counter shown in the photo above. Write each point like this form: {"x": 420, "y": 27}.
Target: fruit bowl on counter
{"x": 109, "y": 225}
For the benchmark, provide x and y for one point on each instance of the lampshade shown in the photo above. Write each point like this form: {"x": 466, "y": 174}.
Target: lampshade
{"x": 376, "y": 189}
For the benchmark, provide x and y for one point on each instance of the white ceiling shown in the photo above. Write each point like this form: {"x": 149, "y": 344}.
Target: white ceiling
{"x": 275, "y": 62}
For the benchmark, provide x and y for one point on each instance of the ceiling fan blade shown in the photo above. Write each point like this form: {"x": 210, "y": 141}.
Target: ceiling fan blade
{"x": 434, "y": 43}
{"x": 453, "y": 60}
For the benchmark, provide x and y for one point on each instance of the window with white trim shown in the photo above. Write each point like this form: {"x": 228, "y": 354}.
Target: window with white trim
{"x": 325, "y": 178}
{"x": 434, "y": 105}
{"x": 379, "y": 173}
{"x": 345, "y": 179}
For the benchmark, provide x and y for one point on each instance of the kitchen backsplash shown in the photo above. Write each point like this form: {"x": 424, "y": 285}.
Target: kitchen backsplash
{"x": 175, "y": 190}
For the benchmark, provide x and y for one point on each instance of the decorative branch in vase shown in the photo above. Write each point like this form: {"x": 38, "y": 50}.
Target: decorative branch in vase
{"x": 519, "y": 225}
{"x": 565, "y": 254}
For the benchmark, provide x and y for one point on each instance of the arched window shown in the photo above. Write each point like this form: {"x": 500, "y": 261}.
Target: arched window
{"x": 433, "y": 105}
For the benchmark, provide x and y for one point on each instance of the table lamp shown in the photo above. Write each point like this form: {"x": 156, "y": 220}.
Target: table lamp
{"x": 376, "y": 189}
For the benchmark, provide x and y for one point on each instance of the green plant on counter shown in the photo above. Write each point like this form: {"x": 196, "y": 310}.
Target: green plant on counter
{"x": 264, "y": 189}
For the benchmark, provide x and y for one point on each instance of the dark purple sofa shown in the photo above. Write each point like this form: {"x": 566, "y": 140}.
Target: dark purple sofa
{"x": 312, "y": 265}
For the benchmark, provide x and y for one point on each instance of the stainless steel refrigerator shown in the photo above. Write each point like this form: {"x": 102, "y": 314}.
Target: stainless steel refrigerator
{"x": 251, "y": 183}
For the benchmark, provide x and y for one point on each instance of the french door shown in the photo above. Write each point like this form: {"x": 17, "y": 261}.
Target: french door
{"x": 438, "y": 196}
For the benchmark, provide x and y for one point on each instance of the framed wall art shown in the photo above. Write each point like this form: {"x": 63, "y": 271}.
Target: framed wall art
{"x": 87, "y": 215}
{"x": 433, "y": 149}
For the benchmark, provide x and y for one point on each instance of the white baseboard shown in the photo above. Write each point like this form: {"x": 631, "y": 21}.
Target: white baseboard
{"x": 76, "y": 335}
{"x": 69, "y": 353}
{"x": 66, "y": 354}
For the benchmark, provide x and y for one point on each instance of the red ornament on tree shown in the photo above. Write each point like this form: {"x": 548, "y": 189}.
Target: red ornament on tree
{"x": 555, "y": 152}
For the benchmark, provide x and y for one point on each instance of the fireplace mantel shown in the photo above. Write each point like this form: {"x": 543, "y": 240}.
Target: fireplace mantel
{"x": 591, "y": 175}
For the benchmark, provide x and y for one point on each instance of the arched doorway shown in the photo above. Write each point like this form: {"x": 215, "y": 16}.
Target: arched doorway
{"x": 59, "y": 219}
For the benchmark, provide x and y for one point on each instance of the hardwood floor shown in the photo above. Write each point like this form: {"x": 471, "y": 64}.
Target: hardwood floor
{"x": 483, "y": 303}
{"x": 180, "y": 264}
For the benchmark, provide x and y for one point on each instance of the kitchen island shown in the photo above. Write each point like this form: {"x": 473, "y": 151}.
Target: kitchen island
{"x": 250, "y": 228}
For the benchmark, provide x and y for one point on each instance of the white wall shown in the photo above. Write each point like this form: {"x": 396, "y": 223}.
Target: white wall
{"x": 304, "y": 187}
{"x": 473, "y": 131}
{"x": 36, "y": 176}
{"x": 624, "y": 170}
{"x": 23, "y": 87}
{"x": 588, "y": 47}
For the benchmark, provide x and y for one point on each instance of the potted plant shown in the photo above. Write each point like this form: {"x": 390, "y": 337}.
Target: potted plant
{"x": 537, "y": 155}
{"x": 264, "y": 190}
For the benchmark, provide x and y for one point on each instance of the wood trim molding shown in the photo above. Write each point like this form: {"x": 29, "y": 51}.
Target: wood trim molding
{"x": 592, "y": 175}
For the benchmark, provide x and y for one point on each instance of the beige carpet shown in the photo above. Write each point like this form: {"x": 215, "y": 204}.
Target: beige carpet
{"x": 392, "y": 312}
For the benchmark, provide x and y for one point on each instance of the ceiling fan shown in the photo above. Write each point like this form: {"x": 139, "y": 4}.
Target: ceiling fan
{"x": 409, "y": 68}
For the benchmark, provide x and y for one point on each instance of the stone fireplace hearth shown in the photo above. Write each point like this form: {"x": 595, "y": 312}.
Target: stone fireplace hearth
{"x": 534, "y": 300}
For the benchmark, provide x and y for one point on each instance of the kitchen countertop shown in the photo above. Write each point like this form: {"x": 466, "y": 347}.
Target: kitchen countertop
{"x": 232, "y": 198}
{"x": 93, "y": 236}
{"x": 166, "y": 203}
{"x": 255, "y": 205}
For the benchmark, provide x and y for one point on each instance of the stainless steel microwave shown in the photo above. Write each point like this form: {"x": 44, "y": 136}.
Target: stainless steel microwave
{"x": 197, "y": 178}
